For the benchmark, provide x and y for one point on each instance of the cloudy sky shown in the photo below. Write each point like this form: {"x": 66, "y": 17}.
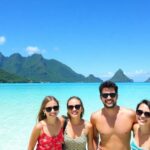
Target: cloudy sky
{"x": 90, "y": 36}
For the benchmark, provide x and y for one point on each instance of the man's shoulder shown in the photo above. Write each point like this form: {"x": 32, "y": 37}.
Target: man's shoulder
{"x": 128, "y": 112}
{"x": 95, "y": 114}
{"x": 94, "y": 117}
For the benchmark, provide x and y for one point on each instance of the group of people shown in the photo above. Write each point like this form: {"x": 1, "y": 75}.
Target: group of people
{"x": 109, "y": 128}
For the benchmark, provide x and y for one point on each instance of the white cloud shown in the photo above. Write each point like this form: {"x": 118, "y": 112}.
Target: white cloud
{"x": 32, "y": 50}
{"x": 138, "y": 73}
{"x": 2, "y": 40}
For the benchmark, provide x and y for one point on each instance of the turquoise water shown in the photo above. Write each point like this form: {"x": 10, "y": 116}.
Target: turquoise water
{"x": 19, "y": 105}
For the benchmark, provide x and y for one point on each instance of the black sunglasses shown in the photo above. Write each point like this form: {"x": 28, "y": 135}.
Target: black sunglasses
{"x": 49, "y": 109}
{"x": 140, "y": 112}
{"x": 105, "y": 95}
{"x": 74, "y": 106}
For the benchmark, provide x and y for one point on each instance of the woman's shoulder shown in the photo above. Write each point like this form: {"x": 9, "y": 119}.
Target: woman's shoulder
{"x": 40, "y": 125}
{"x": 63, "y": 120}
{"x": 135, "y": 127}
{"x": 88, "y": 124}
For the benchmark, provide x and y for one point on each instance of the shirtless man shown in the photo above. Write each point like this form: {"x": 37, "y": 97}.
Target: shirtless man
{"x": 113, "y": 124}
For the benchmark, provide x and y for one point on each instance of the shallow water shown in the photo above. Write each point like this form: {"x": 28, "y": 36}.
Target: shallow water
{"x": 19, "y": 105}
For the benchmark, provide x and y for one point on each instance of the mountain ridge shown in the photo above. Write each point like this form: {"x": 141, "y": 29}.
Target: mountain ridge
{"x": 38, "y": 69}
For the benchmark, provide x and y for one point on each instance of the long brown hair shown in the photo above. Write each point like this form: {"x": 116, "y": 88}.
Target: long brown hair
{"x": 41, "y": 115}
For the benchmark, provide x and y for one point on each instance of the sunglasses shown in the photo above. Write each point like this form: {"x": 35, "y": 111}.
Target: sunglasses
{"x": 77, "y": 107}
{"x": 140, "y": 112}
{"x": 105, "y": 95}
{"x": 49, "y": 109}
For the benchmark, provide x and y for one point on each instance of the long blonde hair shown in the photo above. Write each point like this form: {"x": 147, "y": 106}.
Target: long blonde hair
{"x": 41, "y": 115}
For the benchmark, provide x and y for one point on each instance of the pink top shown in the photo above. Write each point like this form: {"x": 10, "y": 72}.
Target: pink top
{"x": 46, "y": 142}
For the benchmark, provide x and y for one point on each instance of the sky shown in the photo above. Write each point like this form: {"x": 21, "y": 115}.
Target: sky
{"x": 90, "y": 36}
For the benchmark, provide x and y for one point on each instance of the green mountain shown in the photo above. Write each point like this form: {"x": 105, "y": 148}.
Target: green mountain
{"x": 11, "y": 78}
{"x": 119, "y": 76}
{"x": 38, "y": 69}
{"x": 91, "y": 78}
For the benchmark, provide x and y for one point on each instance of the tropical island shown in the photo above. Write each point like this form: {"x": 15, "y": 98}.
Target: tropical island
{"x": 35, "y": 68}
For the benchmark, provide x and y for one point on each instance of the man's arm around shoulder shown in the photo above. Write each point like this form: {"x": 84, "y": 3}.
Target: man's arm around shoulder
{"x": 93, "y": 120}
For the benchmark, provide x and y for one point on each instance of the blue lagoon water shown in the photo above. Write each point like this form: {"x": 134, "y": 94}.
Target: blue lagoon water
{"x": 20, "y": 103}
